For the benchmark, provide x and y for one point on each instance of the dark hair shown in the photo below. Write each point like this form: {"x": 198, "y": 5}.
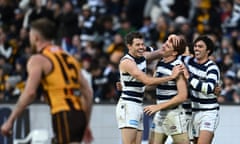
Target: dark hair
{"x": 181, "y": 46}
{"x": 45, "y": 27}
{"x": 209, "y": 43}
{"x": 132, "y": 35}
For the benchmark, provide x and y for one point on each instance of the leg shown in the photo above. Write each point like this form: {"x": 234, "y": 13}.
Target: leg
{"x": 195, "y": 140}
{"x": 159, "y": 138}
{"x": 181, "y": 138}
{"x": 151, "y": 137}
{"x": 205, "y": 137}
{"x": 139, "y": 137}
{"x": 129, "y": 135}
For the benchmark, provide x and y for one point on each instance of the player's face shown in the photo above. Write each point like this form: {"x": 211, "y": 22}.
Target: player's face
{"x": 167, "y": 49}
{"x": 200, "y": 50}
{"x": 137, "y": 48}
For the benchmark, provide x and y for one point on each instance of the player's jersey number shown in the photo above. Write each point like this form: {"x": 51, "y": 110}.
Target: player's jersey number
{"x": 68, "y": 68}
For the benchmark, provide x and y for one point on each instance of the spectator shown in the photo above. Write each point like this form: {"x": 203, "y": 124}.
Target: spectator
{"x": 67, "y": 25}
{"x": 6, "y": 49}
{"x": 206, "y": 19}
{"x": 36, "y": 10}
{"x": 134, "y": 12}
{"x": 125, "y": 27}
{"x": 86, "y": 23}
{"x": 105, "y": 33}
{"x": 3, "y": 79}
{"x": 160, "y": 33}
{"x": 83, "y": 18}
{"x": 228, "y": 91}
{"x": 7, "y": 13}
{"x": 146, "y": 29}
{"x": 232, "y": 23}
{"x": 116, "y": 45}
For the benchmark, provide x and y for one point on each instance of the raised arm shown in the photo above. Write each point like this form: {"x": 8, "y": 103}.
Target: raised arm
{"x": 130, "y": 67}
{"x": 155, "y": 54}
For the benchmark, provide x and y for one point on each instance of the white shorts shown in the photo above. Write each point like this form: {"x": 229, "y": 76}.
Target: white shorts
{"x": 129, "y": 114}
{"x": 170, "y": 122}
{"x": 189, "y": 126}
{"x": 205, "y": 120}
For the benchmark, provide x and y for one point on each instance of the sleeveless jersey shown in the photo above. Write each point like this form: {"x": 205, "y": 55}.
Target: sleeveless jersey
{"x": 61, "y": 85}
{"x": 166, "y": 91}
{"x": 133, "y": 89}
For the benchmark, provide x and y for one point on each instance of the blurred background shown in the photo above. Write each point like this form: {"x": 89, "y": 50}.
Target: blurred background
{"x": 93, "y": 31}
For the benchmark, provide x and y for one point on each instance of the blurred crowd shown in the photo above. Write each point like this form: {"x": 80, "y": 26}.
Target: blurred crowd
{"x": 93, "y": 31}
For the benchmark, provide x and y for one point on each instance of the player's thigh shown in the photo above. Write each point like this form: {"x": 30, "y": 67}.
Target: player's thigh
{"x": 129, "y": 135}
{"x": 205, "y": 137}
{"x": 139, "y": 137}
{"x": 181, "y": 138}
{"x": 151, "y": 137}
{"x": 205, "y": 121}
{"x": 159, "y": 138}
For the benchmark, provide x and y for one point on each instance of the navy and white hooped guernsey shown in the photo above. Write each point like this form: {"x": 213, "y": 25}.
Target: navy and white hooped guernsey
{"x": 133, "y": 89}
{"x": 166, "y": 91}
{"x": 203, "y": 79}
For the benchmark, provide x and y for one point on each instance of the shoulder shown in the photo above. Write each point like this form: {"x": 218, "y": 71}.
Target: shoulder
{"x": 126, "y": 58}
{"x": 212, "y": 65}
{"x": 37, "y": 59}
{"x": 185, "y": 58}
{"x": 177, "y": 62}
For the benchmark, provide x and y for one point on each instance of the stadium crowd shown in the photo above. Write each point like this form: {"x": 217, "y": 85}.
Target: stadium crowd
{"x": 93, "y": 31}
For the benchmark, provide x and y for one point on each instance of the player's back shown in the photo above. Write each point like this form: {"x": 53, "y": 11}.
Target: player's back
{"x": 61, "y": 85}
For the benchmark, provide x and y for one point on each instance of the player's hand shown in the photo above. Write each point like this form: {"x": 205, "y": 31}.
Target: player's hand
{"x": 88, "y": 137}
{"x": 217, "y": 90}
{"x": 150, "y": 110}
{"x": 185, "y": 71}
{"x": 6, "y": 128}
{"x": 118, "y": 86}
{"x": 174, "y": 39}
{"x": 176, "y": 71}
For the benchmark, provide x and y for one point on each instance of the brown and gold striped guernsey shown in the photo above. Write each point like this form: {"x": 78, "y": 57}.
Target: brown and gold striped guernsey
{"x": 61, "y": 84}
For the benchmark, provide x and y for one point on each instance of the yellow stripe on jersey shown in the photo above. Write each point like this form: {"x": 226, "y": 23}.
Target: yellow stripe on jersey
{"x": 61, "y": 84}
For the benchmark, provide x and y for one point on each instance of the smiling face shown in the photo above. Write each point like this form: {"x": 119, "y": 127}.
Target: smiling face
{"x": 167, "y": 50}
{"x": 137, "y": 48}
{"x": 200, "y": 51}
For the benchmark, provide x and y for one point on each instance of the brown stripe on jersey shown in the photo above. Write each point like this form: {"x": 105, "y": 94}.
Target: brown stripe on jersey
{"x": 70, "y": 104}
{"x": 52, "y": 68}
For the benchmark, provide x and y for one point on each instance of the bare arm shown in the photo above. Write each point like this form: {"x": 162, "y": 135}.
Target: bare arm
{"x": 150, "y": 56}
{"x": 34, "y": 68}
{"x": 175, "y": 101}
{"x": 130, "y": 66}
{"x": 86, "y": 98}
{"x": 87, "y": 94}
